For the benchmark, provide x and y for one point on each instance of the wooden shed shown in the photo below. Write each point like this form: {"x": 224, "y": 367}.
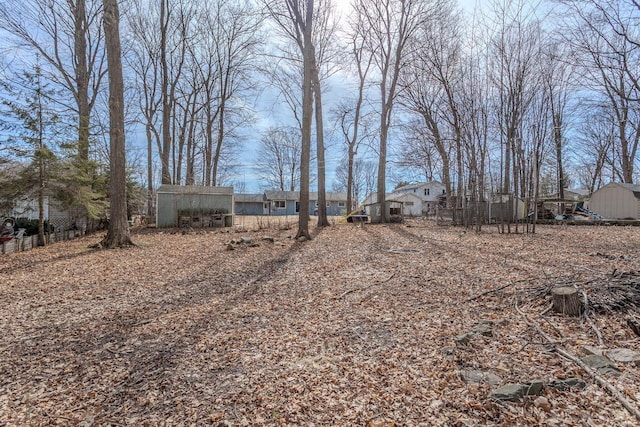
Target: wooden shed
{"x": 194, "y": 206}
{"x": 616, "y": 201}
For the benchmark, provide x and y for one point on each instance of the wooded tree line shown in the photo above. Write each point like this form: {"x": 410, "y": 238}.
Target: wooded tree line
{"x": 520, "y": 99}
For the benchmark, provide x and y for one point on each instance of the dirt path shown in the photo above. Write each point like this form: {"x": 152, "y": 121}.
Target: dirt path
{"x": 356, "y": 327}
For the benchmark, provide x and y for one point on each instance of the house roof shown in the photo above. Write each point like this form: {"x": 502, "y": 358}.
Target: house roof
{"x": 372, "y": 198}
{"x": 256, "y": 198}
{"x": 401, "y": 197}
{"x": 418, "y": 185}
{"x": 331, "y": 196}
{"x": 194, "y": 189}
{"x": 634, "y": 188}
{"x": 579, "y": 191}
{"x": 281, "y": 195}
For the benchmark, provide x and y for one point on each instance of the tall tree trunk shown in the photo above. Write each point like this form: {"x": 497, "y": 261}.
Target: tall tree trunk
{"x": 166, "y": 104}
{"x": 40, "y": 158}
{"x": 118, "y": 233}
{"x": 350, "y": 189}
{"x": 190, "y": 173}
{"x": 150, "y": 210}
{"x": 82, "y": 81}
{"x": 322, "y": 195}
{"x": 219, "y": 141}
{"x": 307, "y": 118}
{"x": 382, "y": 159}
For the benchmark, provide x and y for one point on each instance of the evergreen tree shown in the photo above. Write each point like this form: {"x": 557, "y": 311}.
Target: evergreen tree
{"x": 34, "y": 131}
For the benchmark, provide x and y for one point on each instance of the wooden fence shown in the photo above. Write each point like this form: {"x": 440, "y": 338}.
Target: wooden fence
{"x": 28, "y": 242}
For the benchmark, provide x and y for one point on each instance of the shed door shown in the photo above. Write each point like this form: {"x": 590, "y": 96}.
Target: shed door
{"x": 265, "y": 208}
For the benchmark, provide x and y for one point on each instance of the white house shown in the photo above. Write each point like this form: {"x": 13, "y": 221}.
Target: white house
{"x": 411, "y": 204}
{"x": 428, "y": 192}
{"x": 28, "y": 208}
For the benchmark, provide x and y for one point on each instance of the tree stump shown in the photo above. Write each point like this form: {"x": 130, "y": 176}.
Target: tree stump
{"x": 566, "y": 300}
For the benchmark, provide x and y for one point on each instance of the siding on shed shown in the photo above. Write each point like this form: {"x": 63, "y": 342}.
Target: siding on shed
{"x": 616, "y": 201}
{"x": 172, "y": 199}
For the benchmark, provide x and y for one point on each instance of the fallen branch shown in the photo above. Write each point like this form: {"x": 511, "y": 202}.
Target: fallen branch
{"x": 345, "y": 293}
{"x": 490, "y": 291}
{"x": 546, "y": 310}
{"x": 591, "y": 322}
{"x": 364, "y": 288}
{"x": 600, "y": 380}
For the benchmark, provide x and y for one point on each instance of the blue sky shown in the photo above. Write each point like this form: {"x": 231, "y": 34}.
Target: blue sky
{"x": 271, "y": 114}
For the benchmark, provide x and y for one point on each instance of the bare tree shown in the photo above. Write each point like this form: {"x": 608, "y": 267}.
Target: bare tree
{"x": 363, "y": 178}
{"x": 279, "y": 158}
{"x": 295, "y": 21}
{"x": 430, "y": 89}
{"x": 355, "y": 128}
{"x": 556, "y": 75}
{"x": 144, "y": 61}
{"x": 349, "y": 114}
{"x": 387, "y": 26}
{"x": 476, "y": 101}
{"x": 418, "y": 153}
{"x": 604, "y": 39}
{"x": 174, "y": 22}
{"x": 597, "y": 138}
{"x": 324, "y": 51}
{"x": 118, "y": 233}
{"x": 68, "y": 36}
{"x": 514, "y": 45}
{"x": 231, "y": 42}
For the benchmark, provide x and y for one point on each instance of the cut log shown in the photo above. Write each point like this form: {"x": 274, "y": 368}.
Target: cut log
{"x": 566, "y": 300}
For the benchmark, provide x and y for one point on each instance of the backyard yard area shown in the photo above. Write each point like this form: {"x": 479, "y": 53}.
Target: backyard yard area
{"x": 380, "y": 325}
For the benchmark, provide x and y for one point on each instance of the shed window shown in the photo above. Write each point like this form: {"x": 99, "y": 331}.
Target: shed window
{"x": 328, "y": 204}
{"x": 443, "y": 191}
{"x": 427, "y": 191}
{"x": 408, "y": 203}
{"x": 279, "y": 204}
{"x": 342, "y": 204}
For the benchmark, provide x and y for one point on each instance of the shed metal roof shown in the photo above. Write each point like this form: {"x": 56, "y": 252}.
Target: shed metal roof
{"x": 194, "y": 189}
{"x": 281, "y": 195}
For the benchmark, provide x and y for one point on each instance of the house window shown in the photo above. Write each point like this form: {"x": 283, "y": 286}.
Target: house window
{"x": 342, "y": 204}
{"x": 408, "y": 203}
{"x": 279, "y": 204}
{"x": 443, "y": 191}
{"x": 298, "y": 207}
{"x": 427, "y": 191}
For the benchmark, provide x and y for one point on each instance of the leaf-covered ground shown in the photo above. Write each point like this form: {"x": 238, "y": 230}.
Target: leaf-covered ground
{"x": 356, "y": 327}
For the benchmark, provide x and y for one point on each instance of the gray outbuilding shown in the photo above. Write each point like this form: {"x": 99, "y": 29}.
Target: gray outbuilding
{"x": 616, "y": 201}
{"x": 194, "y": 206}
